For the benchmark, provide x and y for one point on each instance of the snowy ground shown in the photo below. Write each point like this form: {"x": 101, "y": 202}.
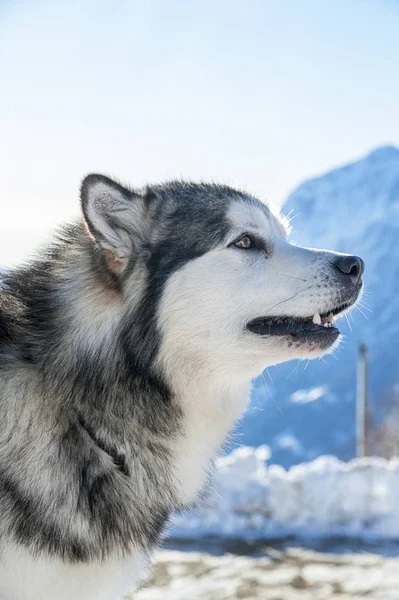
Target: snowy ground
{"x": 295, "y": 574}
{"x": 253, "y": 503}
{"x": 326, "y": 497}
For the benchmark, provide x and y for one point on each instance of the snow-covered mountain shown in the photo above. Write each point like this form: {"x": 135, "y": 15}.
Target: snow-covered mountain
{"x": 352, "y": 209}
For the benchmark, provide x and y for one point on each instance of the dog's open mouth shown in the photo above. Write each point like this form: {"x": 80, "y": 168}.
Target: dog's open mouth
{"x": 317, "y": 327}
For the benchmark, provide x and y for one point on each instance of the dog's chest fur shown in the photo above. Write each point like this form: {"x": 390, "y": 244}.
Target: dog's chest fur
{"x": 206, "y": 424}
{"x": 163, "y": 473}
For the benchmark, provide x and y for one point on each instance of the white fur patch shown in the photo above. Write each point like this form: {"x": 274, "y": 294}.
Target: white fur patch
{"x": 23, "y": 577}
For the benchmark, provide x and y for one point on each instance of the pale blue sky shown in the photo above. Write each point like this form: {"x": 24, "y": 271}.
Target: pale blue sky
{"x": 262, "y": 93}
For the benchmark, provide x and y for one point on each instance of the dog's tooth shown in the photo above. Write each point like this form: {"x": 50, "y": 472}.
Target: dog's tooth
{"x": 325, "y": 325}
{"x": 330, "y": 317}
{"x": 316, "y": 319}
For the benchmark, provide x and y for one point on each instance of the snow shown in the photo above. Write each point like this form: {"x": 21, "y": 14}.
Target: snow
{"x": 325, "y": 497}
{"x": 291, "y": 574}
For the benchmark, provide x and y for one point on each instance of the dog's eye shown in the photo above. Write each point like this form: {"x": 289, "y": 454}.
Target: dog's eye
{"x": 245, "y": 242}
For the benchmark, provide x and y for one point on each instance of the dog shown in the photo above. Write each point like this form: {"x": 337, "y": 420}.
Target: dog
{"x": 127, "y": 351}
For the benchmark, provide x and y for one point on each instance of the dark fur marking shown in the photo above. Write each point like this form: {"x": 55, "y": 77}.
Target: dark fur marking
{"x": 118, "y": 458}
{"x": 32, "y": 527}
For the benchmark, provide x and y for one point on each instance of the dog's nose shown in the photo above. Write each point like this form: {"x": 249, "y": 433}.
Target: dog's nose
{"x": 352, "y": 266}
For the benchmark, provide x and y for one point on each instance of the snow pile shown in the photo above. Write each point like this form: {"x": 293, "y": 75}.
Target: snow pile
{"x": 324, "y": 497}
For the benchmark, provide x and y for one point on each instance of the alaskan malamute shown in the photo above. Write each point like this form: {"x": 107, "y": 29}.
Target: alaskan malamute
{"x": 127, "y": 351}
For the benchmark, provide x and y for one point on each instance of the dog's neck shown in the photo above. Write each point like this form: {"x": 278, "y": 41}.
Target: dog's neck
{"x": 210, "y": 403}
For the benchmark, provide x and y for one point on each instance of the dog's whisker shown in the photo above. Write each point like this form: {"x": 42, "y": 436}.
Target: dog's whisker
{"x": 291, "y": 218}
{"x": 347, "y": 320}
{"x": 293, "y": 277}
{"x": 271, "y": 394}
{"x": 293, "y": 371}
{"x": 364, "y": 305}
{"x": 270, "y": 377}
{"x": 361, "y": 312}
{"x": 286, "y": 300}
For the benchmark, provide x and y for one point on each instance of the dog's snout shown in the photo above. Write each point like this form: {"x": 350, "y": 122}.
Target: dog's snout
{"x": 352, "y": 266}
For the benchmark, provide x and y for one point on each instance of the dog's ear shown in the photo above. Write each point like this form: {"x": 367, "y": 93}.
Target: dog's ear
{"x": 110, "y": 211}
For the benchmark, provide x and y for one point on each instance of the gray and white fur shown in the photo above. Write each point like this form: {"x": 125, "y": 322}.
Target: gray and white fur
{"x": 127, "y": 350}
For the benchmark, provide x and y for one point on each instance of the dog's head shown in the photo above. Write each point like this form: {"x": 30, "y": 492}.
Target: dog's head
{"x": 208, "y": 277}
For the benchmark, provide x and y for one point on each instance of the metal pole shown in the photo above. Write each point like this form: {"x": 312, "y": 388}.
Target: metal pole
{"x": 361, "y": 408}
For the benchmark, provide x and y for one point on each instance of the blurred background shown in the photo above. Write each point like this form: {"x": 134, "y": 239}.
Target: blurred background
{"x": 297, "y": 102}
